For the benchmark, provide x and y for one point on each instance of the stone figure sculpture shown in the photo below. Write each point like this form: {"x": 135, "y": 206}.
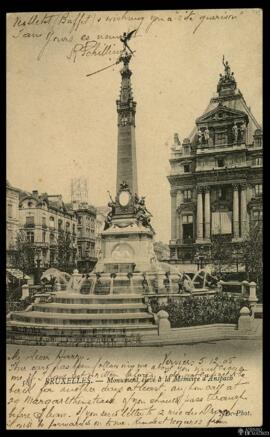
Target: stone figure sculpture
{"x": 235, "y": 132}
{"x": 142, "y": 214}
{"x": 125, "y": 38}
{"x": 227, "y": 68}
{"x": 243, "y": 131}
{"x": 206, "y": 135}
{"x": 177, "y": 141}
{"x": 123, "y": 185}
{"x": 199, "y": 133}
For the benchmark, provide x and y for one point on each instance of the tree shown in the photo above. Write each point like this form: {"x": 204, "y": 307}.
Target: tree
{"x": 253, "y": 256}
{"x": 24, "y": 258}
{"x": 225, "y": 256}
{"x": 64, "y": 250}
{"x": 221, "y": 254}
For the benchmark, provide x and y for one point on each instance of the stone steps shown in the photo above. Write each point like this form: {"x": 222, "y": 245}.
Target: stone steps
{"x": 15, "y": 326}
{"x": 81, "y": 299}
{"x": 68, "y": 308}
{"x": 95, "y": 335}
{"x": 81, "y": 316}
{"x": 81, "y": 319}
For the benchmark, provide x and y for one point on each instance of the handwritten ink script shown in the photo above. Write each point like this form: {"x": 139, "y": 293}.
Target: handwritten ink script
{"x": 96, "y": 34}
{"x": 52, "y": 388}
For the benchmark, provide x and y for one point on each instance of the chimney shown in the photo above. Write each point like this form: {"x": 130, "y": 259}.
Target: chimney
{"x": 35, "y": 193}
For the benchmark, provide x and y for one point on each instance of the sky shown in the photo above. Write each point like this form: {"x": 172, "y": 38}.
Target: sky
{"x": 62, "y": 124}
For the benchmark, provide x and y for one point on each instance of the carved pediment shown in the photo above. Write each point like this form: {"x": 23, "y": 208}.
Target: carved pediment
{"x": 220, "y": 114}
{"x": 187, "y": 207}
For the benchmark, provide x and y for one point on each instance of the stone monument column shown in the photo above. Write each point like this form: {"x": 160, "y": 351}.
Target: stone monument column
{"x": 199, "y": 214}
{"x": 207, "y": 212}
{"x": 126, "y": 147}
{"x": 235, "y": 212}
{"x": 243, "y": 211}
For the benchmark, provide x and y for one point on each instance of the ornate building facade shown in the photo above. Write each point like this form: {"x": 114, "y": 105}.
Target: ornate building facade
{"x": 12, "y": 221}
{"x": 86, "y": 224}
{"x": 50, "y": 228}
{"x": 216, "y": 175}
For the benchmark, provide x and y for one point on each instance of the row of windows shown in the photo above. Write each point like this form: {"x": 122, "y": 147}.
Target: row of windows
{"x": 30, "y": 220}
{"x": 187, "y": 194}
{"x": 30, "y": 236}
{"x": 257, "y": 161}
{"x": 88, "y": 219}
{"x": 222, "y": 192}
{"x": 90, "y": 249}
{"x": 32, "y": 204}
{"x": 256, "y": 215}
{"x": 220, "y": 162}
{"x": 258, "y": 189}
{"x": 187, "y": 218}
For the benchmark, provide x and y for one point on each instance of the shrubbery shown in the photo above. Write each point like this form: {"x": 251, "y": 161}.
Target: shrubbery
{"x": 202, "y": 310}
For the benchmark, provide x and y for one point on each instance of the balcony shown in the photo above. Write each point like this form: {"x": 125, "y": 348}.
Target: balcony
{"x": 44, "y": 226}
{"x": 41, "y": 245}
{"x": 186, "y": 241}
{"x": 29, "y": 225}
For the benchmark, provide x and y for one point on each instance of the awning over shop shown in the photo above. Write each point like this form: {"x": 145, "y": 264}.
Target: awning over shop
{"x": 18, "y": 274}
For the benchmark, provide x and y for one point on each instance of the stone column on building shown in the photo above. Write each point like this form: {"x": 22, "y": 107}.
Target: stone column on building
{"x": 173, "y": 216}
{"x": 178, "y": 227}
{"x": 199, "y": 214}
{"x": 207, "y": 212}
{"x": 179, "y": 201}
{"x": 235, "y": 212}
{"x": 243, "y": 210}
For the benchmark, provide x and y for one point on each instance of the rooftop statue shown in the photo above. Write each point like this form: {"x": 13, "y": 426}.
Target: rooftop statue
{"x": 125, "y": 38}
{"x": 228, "y": 76}
{"x": 177, "y": 141}
{"x": 125, "y": 57}
{"x": 227, "y": 68}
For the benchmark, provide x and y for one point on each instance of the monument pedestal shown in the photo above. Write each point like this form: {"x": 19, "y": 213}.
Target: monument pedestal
{"x": 126, "y": 247}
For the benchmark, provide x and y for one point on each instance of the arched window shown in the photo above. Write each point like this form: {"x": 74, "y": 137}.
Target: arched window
{"x": 60, "y": 225}
{"x": 51, "y": 222}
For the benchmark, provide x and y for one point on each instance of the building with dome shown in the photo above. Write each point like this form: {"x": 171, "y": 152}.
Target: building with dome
{"x": 216, "y": 175}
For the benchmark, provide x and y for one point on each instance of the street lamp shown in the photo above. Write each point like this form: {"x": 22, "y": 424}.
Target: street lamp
{"x": 236, "y": 254}
{"x": 199, "y": 260}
